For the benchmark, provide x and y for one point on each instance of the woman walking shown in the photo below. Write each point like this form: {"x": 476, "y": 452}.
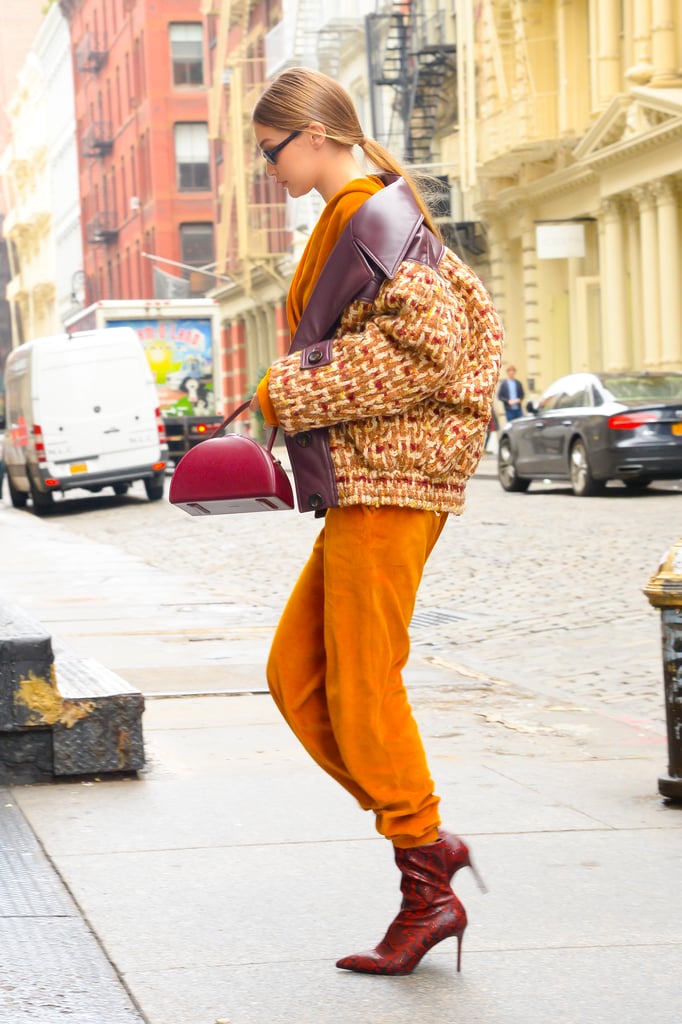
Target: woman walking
{"x": 384, "y": 400}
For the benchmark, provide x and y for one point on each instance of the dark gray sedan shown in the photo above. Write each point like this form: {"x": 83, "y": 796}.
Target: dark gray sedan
{"x": 590, "y": 428}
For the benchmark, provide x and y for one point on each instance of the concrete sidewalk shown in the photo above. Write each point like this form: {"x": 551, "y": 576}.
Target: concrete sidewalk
{"x": 224, "y": 882}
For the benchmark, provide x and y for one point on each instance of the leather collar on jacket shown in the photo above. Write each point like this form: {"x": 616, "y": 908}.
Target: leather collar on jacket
{"x": 387, "y": 229}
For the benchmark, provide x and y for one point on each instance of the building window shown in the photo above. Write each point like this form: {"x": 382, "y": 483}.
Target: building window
{"x": 138, "y": 71}
{"x": 129, "y": 87}
{"x": 196, "y": 245}
{"x": 187, "y": 54}
{"x": 191, "y": 156}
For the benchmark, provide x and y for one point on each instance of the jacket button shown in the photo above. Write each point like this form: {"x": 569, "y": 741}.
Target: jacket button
{"x": 315, "y": 355}
{"x": 315, "y": 500}
{"x": 304, "y": 439}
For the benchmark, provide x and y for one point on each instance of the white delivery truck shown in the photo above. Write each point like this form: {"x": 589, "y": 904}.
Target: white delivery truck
{"x": 181, "y": 338}
{"x": 81, "y": 410}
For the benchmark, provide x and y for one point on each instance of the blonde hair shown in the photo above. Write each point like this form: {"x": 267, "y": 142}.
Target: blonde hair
{"x": 298, "y": 96}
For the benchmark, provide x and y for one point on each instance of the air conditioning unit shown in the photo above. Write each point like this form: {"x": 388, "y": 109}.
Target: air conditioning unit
{"x": 134, "y": 203}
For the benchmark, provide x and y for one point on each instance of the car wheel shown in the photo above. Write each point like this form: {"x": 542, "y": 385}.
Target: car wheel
{"x": 121, "y": 488}
{"x": 18, "y": 498}
{"x": 42, "y": 501}
{"x": 506, "y": 470}
{"x": 582, "y": 481}
{"x": 154, "y": 490}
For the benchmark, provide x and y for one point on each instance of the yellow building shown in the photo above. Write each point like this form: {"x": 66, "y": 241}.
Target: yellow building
{"x": 555, "y": 127}
{"x": 569, "y": 148}
{"x": 27, "y": 226}
{"x": 39, "y": 177}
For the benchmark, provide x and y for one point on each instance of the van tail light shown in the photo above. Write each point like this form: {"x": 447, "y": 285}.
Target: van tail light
{"x": 632, "y": 420}
{"x": 161, "y": 427}
{"x": 39, "y": 444}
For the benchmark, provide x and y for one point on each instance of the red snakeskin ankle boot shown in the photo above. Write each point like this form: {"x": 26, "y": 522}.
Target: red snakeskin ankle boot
{"x": 458, "y": 855}
{"x": 429, "y": 913}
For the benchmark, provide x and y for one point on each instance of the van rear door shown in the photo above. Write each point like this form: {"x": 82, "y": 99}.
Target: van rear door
{"x": 96, "y": 407}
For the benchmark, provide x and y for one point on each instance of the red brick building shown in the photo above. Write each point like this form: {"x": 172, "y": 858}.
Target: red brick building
{"x": 141, "y": 76}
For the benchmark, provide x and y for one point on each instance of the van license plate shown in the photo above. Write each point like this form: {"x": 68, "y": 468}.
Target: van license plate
{"x": 677, "y": 429}
{"x": 79, "y": 467}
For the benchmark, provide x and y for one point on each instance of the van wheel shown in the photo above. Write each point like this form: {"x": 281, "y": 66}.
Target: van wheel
{"x": 121, "y": 488}
{"x": 154, "y": 489}
{"x": 18, "y": 498}
{"x": 42, "y": 501}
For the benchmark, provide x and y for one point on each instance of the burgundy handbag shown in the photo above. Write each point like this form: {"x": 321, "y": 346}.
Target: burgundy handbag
{"x": 230, "y": 473}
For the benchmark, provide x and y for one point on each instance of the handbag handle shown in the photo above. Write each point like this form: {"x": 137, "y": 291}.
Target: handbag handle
{"x": 233, "y": 416}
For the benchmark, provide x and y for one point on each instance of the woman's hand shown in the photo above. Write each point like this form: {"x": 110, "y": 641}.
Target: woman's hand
{"x": 254, "y": 406}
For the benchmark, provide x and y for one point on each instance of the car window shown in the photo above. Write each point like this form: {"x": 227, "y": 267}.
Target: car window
{"x": 649, "y": 387}
{"x": 549, "y": 400}
{"x": 573, "y": 399}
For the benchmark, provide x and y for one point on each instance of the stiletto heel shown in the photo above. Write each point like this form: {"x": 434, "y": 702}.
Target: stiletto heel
{"x": 477, "y": 876}
{"x": 459, "y": 856}
{"x": 429, "y": 913}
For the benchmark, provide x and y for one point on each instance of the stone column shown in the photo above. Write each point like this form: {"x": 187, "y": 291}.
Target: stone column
{"x": 578, "y": 337}
{"x": 498, "y": 261}
{"x": 572, "y": 45}
{"x": 238, "y": 349}
{"x": 663, "y": 39}
{"x": 608, "y": 28}
{"x": 614, "y": 294}
{"x": 531, "y": 302}
{"x": 251, "y": 346}
{"x": 498, "y": 256}
{"x": 642, "y": 70}
{"x": 651, "y": 292}
{"x": 265, "y": 338}
{"x": 670, "y": 272}
{"x": 634, "y": 260}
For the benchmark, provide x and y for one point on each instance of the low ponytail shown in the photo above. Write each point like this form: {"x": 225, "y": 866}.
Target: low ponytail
{"x": 384, "y": 161}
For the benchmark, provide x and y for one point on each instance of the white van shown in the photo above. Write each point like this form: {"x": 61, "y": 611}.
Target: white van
{"x": 81, "y": 410}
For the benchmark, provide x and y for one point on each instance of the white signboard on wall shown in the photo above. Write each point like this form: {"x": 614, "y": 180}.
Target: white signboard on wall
{"x": 560, "y": 241}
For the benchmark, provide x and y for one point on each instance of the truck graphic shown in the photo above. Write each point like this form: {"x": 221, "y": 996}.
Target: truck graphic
{"x": 180, "y": 339}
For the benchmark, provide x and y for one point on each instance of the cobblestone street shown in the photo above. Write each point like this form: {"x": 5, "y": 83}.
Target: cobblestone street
{"x": 539, "y": 590}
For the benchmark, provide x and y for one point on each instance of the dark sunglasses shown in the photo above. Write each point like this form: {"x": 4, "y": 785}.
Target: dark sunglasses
{"x": 271, "y": 154}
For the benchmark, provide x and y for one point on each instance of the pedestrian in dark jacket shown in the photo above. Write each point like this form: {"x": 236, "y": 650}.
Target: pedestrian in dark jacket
{"x": 511, "y": 394}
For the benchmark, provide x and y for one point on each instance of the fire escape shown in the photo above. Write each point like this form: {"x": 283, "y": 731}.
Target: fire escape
{"x": 412, "y": 69}
{"x": 251, "y": 237}
{"x": 413, "y": 83}
{"x": 101, "y": 227}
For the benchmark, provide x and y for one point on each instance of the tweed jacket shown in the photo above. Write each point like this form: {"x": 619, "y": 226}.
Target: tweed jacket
{"x": 386, "y": 392}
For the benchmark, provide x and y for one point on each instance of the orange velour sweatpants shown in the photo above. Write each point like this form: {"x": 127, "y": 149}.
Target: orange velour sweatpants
{"x": 335, "y": 667}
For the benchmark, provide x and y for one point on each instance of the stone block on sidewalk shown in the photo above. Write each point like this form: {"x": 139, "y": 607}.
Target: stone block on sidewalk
{"x": 26, "y": 756}
{"x": 25, "y": 655}
{"x": 60, "y": 714}
{"x": 101, "y": 729}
